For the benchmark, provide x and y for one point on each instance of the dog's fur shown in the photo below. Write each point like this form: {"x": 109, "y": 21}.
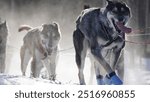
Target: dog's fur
{"x": 3, "y": 41}
{"x": 96, "y": 30}
{"x": 40, "y": 44}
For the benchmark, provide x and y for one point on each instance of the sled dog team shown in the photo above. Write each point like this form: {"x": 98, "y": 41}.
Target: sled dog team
{"x": 99, "y": 32}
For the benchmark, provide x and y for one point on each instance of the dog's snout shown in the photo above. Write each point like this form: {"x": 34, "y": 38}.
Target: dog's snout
{"x": 49, "y": 52}
{"x": 121, "y": 19}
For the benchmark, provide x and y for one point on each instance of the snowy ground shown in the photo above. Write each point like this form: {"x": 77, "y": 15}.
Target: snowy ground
{"x": 22, "y": 80}
{"x": 67, "y": 72}
{"x": 137, "y": 72}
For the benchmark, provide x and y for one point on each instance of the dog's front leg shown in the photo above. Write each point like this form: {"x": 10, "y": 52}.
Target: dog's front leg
{"x": 114, "y": 79}
{"x": 117, "y": 62}
{"x": 50, "y": 63}
{"x": 52, "y": 75}
{"x": 113, "y": 62}
{"x": 98, "y": 56}
{"x": 42, "y": 49}
{"x": 114, "y": 58}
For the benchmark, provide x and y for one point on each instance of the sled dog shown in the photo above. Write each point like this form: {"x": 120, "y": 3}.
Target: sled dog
{"x": 102, "y": 32}
{"x": 40, "y": 44}
{"x": 3, "y": 42}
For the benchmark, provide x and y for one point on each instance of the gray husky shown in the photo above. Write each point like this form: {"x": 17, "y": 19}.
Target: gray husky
{"x": 40, "y": 44}
{"x": 102, "y": 32}
{"x": 3, "y": 41}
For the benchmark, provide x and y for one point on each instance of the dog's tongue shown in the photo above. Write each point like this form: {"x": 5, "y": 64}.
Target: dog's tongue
{"x": 123, "y": 28}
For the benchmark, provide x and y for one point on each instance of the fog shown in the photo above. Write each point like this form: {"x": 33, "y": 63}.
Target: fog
{"x": 35, "y": 13}
{"x": 64, "y": 12}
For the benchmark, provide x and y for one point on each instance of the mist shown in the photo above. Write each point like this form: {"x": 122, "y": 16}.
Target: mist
{"x": 35, "y": 13}
{"x": 64, "y": 12}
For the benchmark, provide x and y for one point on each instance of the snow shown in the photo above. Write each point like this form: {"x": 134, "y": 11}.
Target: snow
{"x": 23, "y": 80}
{"x": 67, "y": 71}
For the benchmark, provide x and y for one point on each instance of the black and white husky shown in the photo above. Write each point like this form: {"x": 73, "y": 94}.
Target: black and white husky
{"x": 101, "y": 30}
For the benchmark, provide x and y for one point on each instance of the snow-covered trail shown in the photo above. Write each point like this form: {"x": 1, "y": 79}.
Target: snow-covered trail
{"x": 137, "y": 72}
{"x": 67, "y": 71}
{"x": 23, "y": 80}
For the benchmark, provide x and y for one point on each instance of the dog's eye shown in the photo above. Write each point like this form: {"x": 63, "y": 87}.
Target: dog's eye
{"x": 122, "y": 9}
{"x": 114, "y": 10}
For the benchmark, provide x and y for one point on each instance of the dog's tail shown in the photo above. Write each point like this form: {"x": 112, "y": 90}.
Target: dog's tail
{"x": 24, "y": 27}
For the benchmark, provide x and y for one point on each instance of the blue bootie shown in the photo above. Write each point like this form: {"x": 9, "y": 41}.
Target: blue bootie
{"x": 116, "y": 80}
{"x": 100, "y": 80}
{"x": 107, "y": 80}
{"x": 112, "y": 78}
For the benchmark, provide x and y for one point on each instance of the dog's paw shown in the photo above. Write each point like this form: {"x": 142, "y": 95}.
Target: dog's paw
{"x": 52, "y": 77}
{"x": 113, "y": 80}
{"x": 116, "y": 80}
{"x": 107, "y": 80}
{"x": 100, "y": 80}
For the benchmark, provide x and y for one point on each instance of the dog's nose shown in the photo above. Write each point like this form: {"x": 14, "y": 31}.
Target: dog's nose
{"x": 120, "y": 19}
{"x": 49, "y": 51}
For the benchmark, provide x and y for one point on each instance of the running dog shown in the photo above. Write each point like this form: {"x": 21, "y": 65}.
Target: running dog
{"x": 102, "y": 32}
{"x": 40, "y": 44}
{"x": 3, "y": 42}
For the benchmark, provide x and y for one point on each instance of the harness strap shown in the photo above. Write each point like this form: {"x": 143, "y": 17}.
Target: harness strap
{"x": 110, "y": 38}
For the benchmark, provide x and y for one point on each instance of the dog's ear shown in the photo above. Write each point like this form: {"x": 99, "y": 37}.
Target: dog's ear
{"x": 55, "y": 25}
{"x": 123, "y": 3}
{"x": 109, "y": 2}
{"x": 3, "y": 24}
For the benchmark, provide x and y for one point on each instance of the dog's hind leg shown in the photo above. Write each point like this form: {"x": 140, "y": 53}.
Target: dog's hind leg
{"x": 25, "y": 57}
{"x": 80, "y": 50}
{"x": 2, "y": 63}
{"x": 50, "y": 64}
{"x": 91, "y": 71}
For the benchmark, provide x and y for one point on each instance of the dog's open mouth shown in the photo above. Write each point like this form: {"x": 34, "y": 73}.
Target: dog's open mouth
{"x": 120, "y": 26}
{"x": 123, "y": 28}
